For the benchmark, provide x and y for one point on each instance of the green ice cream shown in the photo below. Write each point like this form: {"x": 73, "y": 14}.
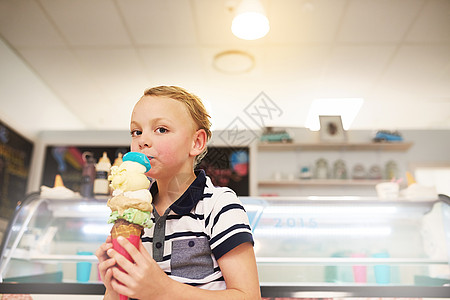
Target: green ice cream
{"x": 134, "y": 216}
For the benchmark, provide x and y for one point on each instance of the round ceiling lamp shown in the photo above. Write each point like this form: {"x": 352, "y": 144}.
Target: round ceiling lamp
{"x": 250, "y": 22}
{"x": 234, "y": 62}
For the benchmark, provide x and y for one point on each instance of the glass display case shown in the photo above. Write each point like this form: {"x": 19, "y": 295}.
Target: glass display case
{"x": 352, "y": 246}
{"x": 49, "y": 239}
{"x": 305, "y": 247}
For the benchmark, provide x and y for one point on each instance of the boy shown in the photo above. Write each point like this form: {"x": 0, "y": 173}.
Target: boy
{"x": 200, "y": 246}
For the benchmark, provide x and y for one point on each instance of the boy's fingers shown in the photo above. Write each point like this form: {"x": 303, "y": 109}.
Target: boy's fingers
{"x": 108, "y": 263}
{"x": 108, "y": 278}
{"x": 131, "y": 249}
{"x": 118, "y": 287}
{"x": 121, "y": 282}
{"x": 120, "y": 260}
{"x": 101, "y": 252}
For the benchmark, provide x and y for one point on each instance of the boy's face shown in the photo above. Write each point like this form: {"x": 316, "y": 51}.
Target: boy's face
{"x": 163, "y": 129}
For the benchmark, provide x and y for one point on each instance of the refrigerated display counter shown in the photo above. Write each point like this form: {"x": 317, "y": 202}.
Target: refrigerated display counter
{"x": 306, "y": 247}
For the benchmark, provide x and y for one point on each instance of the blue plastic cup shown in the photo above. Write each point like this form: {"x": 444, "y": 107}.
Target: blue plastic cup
{"x": 84, "y": 268}
{"x": 382, "y": 272}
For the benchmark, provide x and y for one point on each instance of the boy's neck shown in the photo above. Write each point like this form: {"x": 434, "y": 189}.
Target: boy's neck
{"x": 171, "y": 190}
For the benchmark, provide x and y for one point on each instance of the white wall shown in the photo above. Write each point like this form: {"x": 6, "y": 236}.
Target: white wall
{"x": 429, "y": 147}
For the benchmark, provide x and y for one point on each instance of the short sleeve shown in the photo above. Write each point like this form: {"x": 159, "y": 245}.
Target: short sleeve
{"x": 227, "y": 223}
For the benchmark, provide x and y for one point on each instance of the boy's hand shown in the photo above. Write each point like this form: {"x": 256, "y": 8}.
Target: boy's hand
{"x": 143, "y": 278}
{"x": 105, "y": 266}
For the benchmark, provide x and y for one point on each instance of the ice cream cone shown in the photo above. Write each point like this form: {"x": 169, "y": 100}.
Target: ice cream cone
{"x": 58, "y": 181}
{"x": 132, "y": 233}
{"x": 410, "y": 178}
{"x": 125, "y": 229}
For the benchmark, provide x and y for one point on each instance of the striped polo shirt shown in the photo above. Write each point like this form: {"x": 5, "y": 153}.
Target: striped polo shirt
{"x": 195, "y": 231}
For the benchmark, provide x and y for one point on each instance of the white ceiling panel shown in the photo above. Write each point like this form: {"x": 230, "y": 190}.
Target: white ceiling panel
{"x": 213, "y": 22}
{"x": 304, "y": 64}
{"x": 101, "y": 76}
{"x": 157, "y": 22}
{"x": 112, "y": 68}
{"x": 24, "y": 24}
{"x": 86, "y": 22}
{"x": 385, "y": 21}
{"x": 295, "y": 21}
{"x": 433, "y": 24}
{"x": 177, "y": 65}
{"x": 61, "y": 70}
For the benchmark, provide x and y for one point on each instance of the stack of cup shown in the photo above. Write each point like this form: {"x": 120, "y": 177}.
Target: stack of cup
{"x": 382, "y": 271}
{"x": 84, "y": 268}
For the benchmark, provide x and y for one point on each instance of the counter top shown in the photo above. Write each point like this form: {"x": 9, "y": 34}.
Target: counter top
{"x": 267, "y": 290}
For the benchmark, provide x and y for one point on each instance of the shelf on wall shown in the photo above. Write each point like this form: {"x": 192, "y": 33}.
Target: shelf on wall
{"x": 397, "y": 146}
{"x": 320, "y": 182}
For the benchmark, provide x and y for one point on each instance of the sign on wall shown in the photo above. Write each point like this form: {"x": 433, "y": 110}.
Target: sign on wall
{"x": 68, "y": 162}
{"x": 15, "y": 160}
{"x": 228, "y": 167}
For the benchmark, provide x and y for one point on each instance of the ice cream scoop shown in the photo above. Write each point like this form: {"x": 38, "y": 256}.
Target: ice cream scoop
{"x": 130, "y": 174}
{"x": 132, "y": 199}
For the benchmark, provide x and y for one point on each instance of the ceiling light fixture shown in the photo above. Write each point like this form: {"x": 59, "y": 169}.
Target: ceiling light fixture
{"x": 234, "y": 62}
{"x": 347, "y": 108}
{"x": 250, "y": 22}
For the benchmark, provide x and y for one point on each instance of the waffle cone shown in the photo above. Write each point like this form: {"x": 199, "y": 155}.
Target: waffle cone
{"x": 125, "y": 229}
{"x": 132, "y": 232}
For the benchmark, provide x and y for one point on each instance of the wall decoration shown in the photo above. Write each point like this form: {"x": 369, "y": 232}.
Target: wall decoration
{"x": 331, "y": 129}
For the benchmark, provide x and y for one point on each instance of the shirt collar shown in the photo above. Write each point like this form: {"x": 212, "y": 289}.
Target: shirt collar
{"x": 190, "y": 197}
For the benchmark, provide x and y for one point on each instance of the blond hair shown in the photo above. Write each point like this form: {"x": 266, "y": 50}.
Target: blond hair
{"x": 194, "y": 105}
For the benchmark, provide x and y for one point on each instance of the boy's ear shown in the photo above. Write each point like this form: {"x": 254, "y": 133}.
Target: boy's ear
{"x": 199, "y": 142}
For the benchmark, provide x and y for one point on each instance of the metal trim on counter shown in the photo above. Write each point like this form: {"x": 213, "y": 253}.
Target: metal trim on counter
{"x": 53, "y": 288}
{"x": 355, "y": 291}
{"x": 266, "y": 290}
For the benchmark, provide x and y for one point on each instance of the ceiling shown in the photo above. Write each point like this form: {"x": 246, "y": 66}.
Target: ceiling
{"x": 75, "y": 65}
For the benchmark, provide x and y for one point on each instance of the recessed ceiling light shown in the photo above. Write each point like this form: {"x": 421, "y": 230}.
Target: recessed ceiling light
{"x": 347, "y": 108}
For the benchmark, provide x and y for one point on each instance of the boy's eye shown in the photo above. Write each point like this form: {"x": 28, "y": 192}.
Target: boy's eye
{"x": 161, "y": 130}
{"x": 135, "y": 133}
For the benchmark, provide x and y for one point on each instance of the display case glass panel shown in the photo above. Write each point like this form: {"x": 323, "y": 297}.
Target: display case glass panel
{"x": 312, "y": 242}
{"x": 49, "y": 238}
{"x": 350, "y": 240}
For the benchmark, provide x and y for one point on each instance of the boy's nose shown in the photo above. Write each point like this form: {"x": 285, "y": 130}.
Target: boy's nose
{"x": 144, "y": 142}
